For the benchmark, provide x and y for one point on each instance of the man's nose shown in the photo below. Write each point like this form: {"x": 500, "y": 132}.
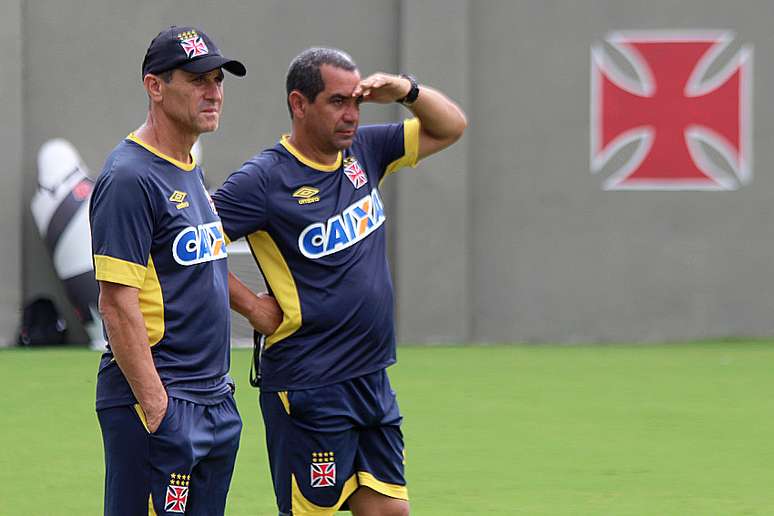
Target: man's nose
{"x": 352, "y": 113}
{"x": 214, "y": 91}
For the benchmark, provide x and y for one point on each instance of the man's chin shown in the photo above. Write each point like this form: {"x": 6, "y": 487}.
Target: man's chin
{"x": 208, "y": 127}
{"x": 343, "y": 143}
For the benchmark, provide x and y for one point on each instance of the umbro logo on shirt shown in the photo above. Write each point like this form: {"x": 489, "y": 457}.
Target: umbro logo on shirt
{"x": 178, "y": 198}
{"x": 307, "y": 194}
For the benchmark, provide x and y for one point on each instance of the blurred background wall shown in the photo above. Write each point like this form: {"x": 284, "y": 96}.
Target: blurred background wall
{"x": 12, "y": 151}
{"x": 507, "y": 236}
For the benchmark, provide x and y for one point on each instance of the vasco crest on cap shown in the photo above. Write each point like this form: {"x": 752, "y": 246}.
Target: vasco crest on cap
{"x": 193, "y": 44}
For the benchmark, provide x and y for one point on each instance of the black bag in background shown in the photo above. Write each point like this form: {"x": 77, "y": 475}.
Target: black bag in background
{"x": 41, "y": 324}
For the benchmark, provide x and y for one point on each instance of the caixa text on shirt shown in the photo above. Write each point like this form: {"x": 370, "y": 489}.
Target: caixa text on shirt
{"x": 356, "y": 222}
{"x": 199, "y": 244}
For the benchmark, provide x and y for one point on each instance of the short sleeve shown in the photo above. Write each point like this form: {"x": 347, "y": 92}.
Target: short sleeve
{"x": 398, "y": 144}
{"x": 121, "y": 217}
{"x": 241, "y": 201}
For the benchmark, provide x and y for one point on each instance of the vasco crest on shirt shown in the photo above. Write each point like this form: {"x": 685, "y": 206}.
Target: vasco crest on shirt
{"x": 355, "y": 172}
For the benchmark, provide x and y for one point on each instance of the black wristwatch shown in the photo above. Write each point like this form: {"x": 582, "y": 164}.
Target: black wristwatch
{"x": 413, "y": 93}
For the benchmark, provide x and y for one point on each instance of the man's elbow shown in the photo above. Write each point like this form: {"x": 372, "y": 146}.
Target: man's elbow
{"x": 460, "y": 126}
{"x": 456, "y": 129}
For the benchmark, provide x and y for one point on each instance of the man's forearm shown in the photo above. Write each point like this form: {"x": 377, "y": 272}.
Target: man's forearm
{"x": 128, "y": 340}
{"x": 442, "y": 121}
{"x": 261, "y": 310}
{"x": 438, "y": 115}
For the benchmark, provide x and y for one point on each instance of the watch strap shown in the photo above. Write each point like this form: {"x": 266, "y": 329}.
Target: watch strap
{"x": 413, "y": 93}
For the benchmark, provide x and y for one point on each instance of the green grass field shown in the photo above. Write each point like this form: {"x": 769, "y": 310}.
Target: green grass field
{"x": 686, "y": 429}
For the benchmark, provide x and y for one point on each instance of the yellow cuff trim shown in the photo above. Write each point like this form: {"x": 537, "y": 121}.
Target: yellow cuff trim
{"x": 410, "y": 147}
{"x": 391, "y": 490}
{"x": 115, "y": 270}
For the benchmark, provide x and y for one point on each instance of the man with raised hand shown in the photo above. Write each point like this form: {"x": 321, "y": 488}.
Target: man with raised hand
{"x": 312, "y": 213}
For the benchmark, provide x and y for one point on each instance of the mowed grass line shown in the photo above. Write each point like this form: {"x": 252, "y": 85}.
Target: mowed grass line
{"x": 619, "y": 430}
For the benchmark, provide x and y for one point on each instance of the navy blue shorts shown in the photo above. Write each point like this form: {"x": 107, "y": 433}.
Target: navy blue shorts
{"x": 326, "y": 442}
{"x": 183, "y": 467}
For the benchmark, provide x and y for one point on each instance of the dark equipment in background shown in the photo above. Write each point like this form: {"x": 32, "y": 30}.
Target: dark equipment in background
{"x": 41, "y": 324}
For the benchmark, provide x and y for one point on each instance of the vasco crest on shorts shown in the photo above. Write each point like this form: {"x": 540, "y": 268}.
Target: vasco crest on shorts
{"x": 323, "y": 469}
{"x": 177, "y": 493}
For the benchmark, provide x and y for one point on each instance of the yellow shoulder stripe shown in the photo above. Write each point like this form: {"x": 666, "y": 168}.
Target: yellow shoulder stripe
{"x": 281, "y": 282}
{"x": 152, "y": 305}
{"x": 115, "y": 270}
{"x": 411, "y": 147}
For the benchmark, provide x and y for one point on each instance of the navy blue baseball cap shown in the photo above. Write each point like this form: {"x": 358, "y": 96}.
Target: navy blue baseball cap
{"x": 189, "y": 49}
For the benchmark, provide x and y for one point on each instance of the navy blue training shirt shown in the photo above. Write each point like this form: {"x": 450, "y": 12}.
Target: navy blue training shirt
{"x": 318, "y": 235}
{"x": 155, "y": 228}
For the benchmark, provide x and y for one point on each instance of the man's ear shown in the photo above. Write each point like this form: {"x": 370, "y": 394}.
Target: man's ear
{"x": 153, "y": 86}
{"x": 298, "y": 103}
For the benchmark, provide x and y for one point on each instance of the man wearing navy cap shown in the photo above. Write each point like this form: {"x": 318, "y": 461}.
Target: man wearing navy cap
{"x": 164, "y": 398}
